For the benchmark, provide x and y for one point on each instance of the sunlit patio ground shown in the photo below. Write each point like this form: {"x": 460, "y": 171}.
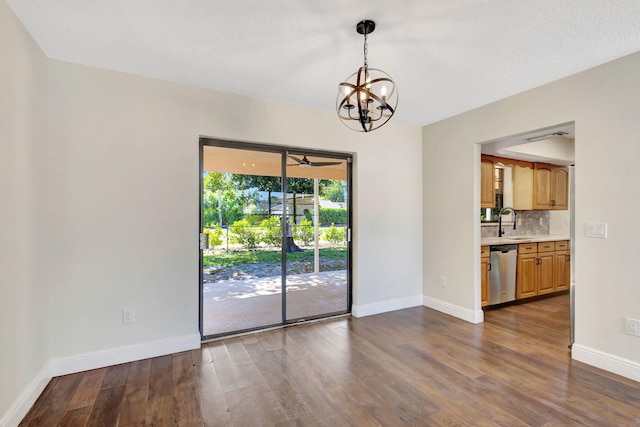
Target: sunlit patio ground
{"x": 235, "y": 305}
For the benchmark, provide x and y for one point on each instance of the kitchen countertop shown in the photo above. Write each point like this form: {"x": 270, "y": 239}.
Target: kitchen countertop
{"x": 506, "y": 240}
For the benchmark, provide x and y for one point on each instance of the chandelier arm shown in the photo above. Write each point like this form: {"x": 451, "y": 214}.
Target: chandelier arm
{"x": 382, "y": 102}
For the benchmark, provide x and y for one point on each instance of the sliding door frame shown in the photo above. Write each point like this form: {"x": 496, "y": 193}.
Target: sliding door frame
{"x": 284, "y": 151}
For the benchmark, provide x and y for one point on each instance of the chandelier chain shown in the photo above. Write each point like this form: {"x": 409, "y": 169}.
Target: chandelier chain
{"x": 366, "y": 66}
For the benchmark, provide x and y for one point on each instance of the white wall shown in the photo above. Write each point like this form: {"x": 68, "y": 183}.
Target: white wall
{"x": 124, "y": 201}
{"x": 603, "y": 102}
{"x": 24, "y": 331}
{"x": 99, "y": 176}
{"x": 559, "y": 222}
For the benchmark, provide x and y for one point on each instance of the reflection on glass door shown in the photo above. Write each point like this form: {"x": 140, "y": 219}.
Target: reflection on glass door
{"x": 274, "y": 236}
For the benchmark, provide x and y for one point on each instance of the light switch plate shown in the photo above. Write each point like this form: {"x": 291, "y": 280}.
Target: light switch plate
{"x": 597, "y": 230}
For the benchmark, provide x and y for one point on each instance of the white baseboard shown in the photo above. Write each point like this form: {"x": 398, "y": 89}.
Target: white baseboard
{"x": 115, "y": 356}
{"x": 384, "y": 306}
{"x": 454, "y": 310}
{"x": 27, "y": 398}
{"x": 608, "y": 362}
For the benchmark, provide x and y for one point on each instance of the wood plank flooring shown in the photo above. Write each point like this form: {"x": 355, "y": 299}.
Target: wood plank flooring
{"x": 408, "y": 367}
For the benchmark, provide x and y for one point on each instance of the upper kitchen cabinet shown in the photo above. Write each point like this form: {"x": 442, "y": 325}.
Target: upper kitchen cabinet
{"x": 550, "y": 187}
{"x": 522, "y": 174}
{"x": 487, "y": 192}
{"x": 561, "y": 188}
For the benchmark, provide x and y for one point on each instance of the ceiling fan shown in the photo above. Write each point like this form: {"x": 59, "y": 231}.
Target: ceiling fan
{"x": 306, "y": 163}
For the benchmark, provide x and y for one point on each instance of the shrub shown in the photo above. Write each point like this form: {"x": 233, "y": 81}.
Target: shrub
{"x": 253, "y": 219}
{"x": 272, "y": 231}
{"x": 215, "y": 236}
{"x": 334, "y": 234}
{"x": 304, "y": 231}
{"x": 333, "y": 215}
{"x": 243, "y": 233}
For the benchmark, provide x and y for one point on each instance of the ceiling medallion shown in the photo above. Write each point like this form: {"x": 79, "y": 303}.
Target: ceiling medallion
{"x": 368, "y": 98}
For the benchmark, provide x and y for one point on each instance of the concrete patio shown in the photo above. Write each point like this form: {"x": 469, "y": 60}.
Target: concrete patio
{"x": 235, "y": 305}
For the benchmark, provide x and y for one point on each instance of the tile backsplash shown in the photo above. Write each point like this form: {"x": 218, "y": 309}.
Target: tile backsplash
{"x": 529, "y": 223}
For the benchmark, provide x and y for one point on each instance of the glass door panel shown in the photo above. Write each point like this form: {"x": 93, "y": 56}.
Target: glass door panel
{"x": 241, "y": 215}
{"x": 316, "y": 247}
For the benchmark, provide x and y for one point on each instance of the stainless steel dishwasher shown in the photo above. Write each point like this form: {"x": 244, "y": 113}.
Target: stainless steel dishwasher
{"x": 503, "y": 273}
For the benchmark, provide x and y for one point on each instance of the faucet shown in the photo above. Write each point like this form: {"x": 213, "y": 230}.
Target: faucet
{"x": 506, "y": 211}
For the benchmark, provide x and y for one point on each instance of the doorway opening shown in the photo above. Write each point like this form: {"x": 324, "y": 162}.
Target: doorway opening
{"x": 275, "y": 236}
{"x": 526, "y": 217}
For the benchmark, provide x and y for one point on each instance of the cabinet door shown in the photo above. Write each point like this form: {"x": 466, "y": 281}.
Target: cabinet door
{"x": 545, "y": 276}
{"x": 562, "y": 270}
{"x": 522, "y": 177}
{"x": 560, "y": 186}
{"x": 526, "y": 276}
{"x": 487, "y": 183}
{"x": 542, "y": 177}
{"x": 485, "y": 268}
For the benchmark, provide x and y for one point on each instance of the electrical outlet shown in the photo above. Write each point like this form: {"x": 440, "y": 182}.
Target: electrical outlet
{"x": 633, "y": 326}
{"x": 128, "y": 315}
{"x": 443, "y": 281}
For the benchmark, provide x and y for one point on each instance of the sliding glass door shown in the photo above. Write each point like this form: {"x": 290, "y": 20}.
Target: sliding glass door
{"x": 317, "y": 224}
{"x": 274, "y": 236}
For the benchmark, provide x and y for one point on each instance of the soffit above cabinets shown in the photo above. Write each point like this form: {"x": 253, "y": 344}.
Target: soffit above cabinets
{"x": 556, "y": 150}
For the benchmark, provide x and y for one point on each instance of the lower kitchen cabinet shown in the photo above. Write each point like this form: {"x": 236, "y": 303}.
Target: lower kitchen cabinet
{"x": 562, "y": 270}
{"x": 485, "y": 273}
{"x": 545, "y": 276}
{"x": 543, "y": 268}
{"x": 526, "y": 275}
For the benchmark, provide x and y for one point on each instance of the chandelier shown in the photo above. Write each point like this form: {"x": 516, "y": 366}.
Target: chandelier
{"x": 368, "y": 98}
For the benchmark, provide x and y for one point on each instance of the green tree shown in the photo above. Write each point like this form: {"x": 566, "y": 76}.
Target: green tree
{"x": 221, "y": 203}
{"x": 333, "y": 189}
{"x": 269, "y": 184}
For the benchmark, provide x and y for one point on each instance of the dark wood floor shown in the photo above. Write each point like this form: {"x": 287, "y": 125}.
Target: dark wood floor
{"x": 408, "y": 367}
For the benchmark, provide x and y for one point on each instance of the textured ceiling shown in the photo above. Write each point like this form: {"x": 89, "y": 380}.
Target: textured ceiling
{"x": 446, "y": 57}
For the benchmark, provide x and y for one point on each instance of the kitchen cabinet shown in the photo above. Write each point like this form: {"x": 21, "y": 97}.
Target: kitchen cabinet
{"x": 545, "y": 274}
{"x": 550, "y": 187}
{"x": 485, "y": 272}
{"x": 543, "y": 268}
{"x": 487, "y": 185}
{"x": 526, "y": 270}
{"x": 522, "y": 176}
{"x": 561, "y": 188}
{"x": 562, "y": 272}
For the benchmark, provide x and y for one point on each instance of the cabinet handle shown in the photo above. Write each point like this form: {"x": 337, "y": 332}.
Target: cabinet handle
{"x": 568, "y": 257}
{"x": 538, "y": 261}
{"x": 553, "y": 203}
{"x": 489, "y": 266}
